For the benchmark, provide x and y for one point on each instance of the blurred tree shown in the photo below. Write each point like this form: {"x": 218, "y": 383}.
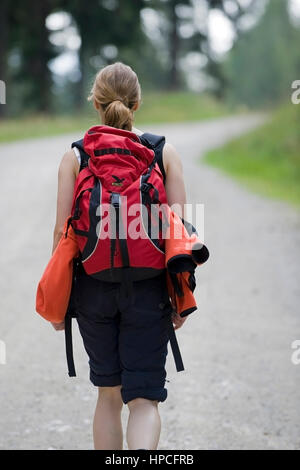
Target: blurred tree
{"x": 174, "y": 40}
{"x": 4, "y": 44}
{"x": 177, "y": 14}
{"x": 28, "y": 22}
{"x": 234, "y": 12}
{"x": 265, "y": 61}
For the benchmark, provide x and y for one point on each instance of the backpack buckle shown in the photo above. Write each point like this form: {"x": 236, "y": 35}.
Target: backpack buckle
{"x": 77, "y": 213}
{"x": 115, "y": 199}
{"x": 145, "y": 187}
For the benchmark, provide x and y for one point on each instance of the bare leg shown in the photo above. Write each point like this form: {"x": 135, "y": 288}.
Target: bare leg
{"x": 107, "y": 427}
{"x": 144, "y": 425}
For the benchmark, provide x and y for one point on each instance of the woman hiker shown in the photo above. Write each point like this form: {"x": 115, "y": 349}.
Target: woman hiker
{"x": 139, "y": 340}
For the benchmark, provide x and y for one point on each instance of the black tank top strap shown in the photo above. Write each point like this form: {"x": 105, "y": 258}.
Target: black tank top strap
{"x": 156, "y": 142}
{"x": 84, "y": 157}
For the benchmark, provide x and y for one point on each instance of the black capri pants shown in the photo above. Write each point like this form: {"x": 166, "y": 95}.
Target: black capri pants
{"x": 127, "y": 344}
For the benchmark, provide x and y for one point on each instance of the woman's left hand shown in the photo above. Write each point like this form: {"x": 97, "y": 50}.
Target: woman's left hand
{"x": 177, "y": 320}
{"x": 58, "y": 326}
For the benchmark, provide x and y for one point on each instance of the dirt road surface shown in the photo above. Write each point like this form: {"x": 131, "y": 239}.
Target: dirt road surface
{"x": 239, "y": 389}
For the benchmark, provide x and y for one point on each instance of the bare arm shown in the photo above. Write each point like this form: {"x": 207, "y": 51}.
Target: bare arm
{"x": 175, "y": 187}
{"x": 65, "y": 188}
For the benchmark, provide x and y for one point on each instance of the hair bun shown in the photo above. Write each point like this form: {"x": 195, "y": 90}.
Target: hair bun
{"x": 121, "y": 101}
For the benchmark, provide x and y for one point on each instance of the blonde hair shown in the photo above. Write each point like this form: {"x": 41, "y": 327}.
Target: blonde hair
{"x": 116, "y": 88}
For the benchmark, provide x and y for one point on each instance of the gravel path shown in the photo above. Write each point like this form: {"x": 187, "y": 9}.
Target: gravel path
{"x": 239, "y": 389}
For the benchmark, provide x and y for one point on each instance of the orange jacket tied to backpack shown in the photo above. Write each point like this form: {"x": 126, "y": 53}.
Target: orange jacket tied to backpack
{"x": 54, "y": 288}
{"x": 183, "y": 253}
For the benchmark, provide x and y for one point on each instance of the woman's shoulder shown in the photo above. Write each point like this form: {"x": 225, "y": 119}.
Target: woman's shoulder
{"x": 69, "y": 162}
{"x": 170, "y": 156}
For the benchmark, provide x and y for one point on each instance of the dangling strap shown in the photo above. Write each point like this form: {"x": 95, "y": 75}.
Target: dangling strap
{"x": 175, "y": 347}
{"x": 126, "y": 281}
{"x": 71, "y": 312}
{"x": 69, "y": 346}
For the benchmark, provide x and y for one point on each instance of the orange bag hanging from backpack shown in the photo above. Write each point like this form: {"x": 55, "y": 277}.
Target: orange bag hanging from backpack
{"x": 54, "y": 288}
{"x": 184, "y": 251}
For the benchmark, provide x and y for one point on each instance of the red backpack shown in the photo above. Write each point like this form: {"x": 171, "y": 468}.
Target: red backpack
{"x": 117, "y": 205}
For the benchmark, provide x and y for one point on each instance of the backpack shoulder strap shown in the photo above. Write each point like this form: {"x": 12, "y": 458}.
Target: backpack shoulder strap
{"x": 84, "y": 157}
{"x": 156, "y": 142}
